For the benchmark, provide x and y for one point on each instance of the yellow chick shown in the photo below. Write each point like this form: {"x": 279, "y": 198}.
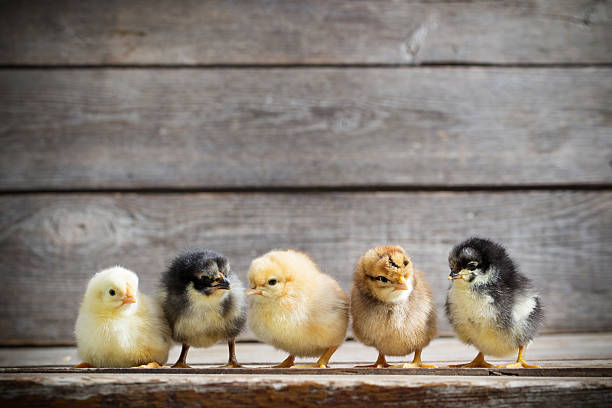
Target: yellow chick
{"x": 118, "y": 326}
{"x": 295, "y": 307}
{"x": 392, "y": 306}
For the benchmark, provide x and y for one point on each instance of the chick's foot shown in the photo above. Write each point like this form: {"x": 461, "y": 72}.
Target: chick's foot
{"x": 381, "y": 362}
{"x": 83, "y": 365}
{"x": 478, "y": 362}
{"x": 287, "y": 363}
{"x": 181, "y": 364}
{"x": 416, "y": 362}
{"x": 314, "y": 365}
{"x": 414, "y": 365}
{"x": 152, "y": 364}
{"x": 518, "y": 364}
{"x": 231, "y": 364}
{"x": 520, "y": 361}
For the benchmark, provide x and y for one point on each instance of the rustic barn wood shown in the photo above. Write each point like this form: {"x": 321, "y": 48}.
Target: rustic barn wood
{"x": 51, "y": 244}
{"x": 231, "y": 390}
{"x": 228, "y": 128}
{"x": 305, "y": 32}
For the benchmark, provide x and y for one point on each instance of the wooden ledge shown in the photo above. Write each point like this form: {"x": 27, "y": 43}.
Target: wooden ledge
{"x": 576, "y": 370}
{"x": 258, "y": 371}
{"x": 307, "y": 390}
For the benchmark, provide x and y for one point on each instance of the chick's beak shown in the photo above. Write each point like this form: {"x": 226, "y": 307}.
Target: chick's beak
{"x": 251, "y": 292}
{"x": 402, "y": 285}
{"x": 455, "y": 275}
{"x": 129, "y": 295}
{"x": 223, "y": 284}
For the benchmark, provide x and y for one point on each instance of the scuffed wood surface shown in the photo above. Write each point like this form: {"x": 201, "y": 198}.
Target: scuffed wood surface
{"x": 561, "y": 352}
{"x": 52, "y": 244}
{"x": 304, "y": 32}
{"x": 232, "y": 390}
{"x": 333, "y": 127}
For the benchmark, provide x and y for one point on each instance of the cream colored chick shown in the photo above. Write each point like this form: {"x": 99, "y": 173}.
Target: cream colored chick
{"x": 296, "y": 308}
{"x": 118, "y": 326}
{"x": 392, "y": 306}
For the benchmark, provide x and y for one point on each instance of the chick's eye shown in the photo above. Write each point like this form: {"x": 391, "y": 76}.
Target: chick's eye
{"x": 272, "y": 282}
{"x": 111, "y": 292}
{"x": 472, "y": 266}
{"x": 382, "y": 279}
{"x": 406, "y": 263}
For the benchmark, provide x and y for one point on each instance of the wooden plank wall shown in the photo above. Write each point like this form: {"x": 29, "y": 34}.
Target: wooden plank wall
{"x": 130, "y": 130}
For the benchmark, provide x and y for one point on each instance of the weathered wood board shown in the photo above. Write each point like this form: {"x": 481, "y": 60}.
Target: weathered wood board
{"x": 251, "y": 128}
{"x": 305, "y": 32}
{"x": 51, "y": 244}
{"x": 273, "y": 390}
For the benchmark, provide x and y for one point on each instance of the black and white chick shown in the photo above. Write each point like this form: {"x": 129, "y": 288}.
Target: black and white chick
{"x": 490, "y": 304}
{"x": 203, "y": 302}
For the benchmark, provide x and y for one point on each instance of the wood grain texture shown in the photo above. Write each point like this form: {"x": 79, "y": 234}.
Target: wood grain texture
{"x": 304, "y": 32}
{"x": 167, "y": 128}
{"x": 266, "y": 390}
{"x": 52, "y": 244}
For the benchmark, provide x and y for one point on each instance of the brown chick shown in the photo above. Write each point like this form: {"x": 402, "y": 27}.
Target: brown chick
{"x": 296, "y": 308}
{"x": 392, "y": 306}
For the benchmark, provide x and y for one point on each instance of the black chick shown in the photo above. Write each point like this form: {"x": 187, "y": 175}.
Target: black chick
{"x": 490, "y": 303}
{"x": 203, "y": 302}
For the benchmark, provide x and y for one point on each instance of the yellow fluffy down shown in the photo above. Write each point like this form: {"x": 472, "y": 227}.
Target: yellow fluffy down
{"x": 124, "y": 336}
{"x": 305, "y": 313}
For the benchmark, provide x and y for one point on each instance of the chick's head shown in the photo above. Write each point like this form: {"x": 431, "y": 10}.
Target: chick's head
{"x": 268, "y": 279}
{"x": 478, "y": 261}
{"x": 113, "y": 290}
{"x": 386, "y": 273}
{"x": 203, "y": 271}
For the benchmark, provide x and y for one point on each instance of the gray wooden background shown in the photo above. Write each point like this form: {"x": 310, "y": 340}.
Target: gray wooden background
{"x": 130, "y": 130}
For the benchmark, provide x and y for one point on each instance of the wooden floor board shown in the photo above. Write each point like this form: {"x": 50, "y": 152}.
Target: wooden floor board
{"x": 309, "y": 390}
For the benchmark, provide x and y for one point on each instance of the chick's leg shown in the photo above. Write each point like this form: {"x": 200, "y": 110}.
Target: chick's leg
{"x": 180, "y": 363}
{"x": 478, "y": 362}
{"x": 381, "y": 362}
{"x": 520, "y": 361}
{"x": 287, "y": 363}
{"x": 323, "y": 360}
{"x": 416, "y": 362}
{"x": 232, "y": 362}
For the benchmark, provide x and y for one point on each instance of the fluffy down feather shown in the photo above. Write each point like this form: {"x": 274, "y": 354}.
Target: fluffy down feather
{"x": 294, "y": 306}
{"x": 118, "y": 326}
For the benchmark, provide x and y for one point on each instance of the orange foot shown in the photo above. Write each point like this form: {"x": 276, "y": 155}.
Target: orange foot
{"x": 153, "y": 364}
{"x": 381, "y": 362}
{"x": 83, "y": 365}
{"x": 478, "y": 362}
